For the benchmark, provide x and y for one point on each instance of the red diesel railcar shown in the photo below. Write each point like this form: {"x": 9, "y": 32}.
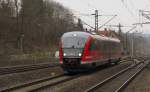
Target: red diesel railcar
{"x": 82, "y": 51}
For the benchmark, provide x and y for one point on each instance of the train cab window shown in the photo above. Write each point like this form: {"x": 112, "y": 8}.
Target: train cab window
{"x": 73, "y": 42}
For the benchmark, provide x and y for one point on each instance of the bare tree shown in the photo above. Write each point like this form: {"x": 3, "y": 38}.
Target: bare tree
{"x": 36, "y": 24}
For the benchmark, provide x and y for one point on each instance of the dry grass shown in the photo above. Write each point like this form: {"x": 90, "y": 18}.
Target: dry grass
{"x": 26, "y": 59}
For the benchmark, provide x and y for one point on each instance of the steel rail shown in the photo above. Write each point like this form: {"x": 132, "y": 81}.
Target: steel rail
{"x": 18, "y": 69}
{"x": 49, "y": 85}
{"x": 56, "y": 83}
{"x": 22, "y": 85}
{"x": 7, "y": 89}
{"x": 125, "y": 84}
{"x": 93, "y": 88}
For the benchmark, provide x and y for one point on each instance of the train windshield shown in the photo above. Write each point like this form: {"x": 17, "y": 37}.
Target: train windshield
{"x": 73, "y": 42}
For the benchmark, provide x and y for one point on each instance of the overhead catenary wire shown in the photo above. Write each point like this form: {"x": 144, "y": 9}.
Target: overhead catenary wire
{"x": 123, "y": 1}
{"x": 132, "y": 4}
{"x": 82, "y": 14}
{"x": 146, "y": 15}
{"x": 125, "y": 5}
{"x": 107, "y": 21}
{"x": 78, "y": 13}
{"x": 147, "y": 2}
{"x": 92, "y": 7}
{"x": 84, "y": 22}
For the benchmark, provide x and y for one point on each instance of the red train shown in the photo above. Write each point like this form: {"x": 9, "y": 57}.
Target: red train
{"x": 82, "y": 51}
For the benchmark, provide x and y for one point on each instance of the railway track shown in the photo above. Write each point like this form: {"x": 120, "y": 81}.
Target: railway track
{"x": 24, "y": 68}
{"x": 18, "y": 69}
{"x": 39, "y": 84}
{"x": 19, "y": 86}
{"x": 118, "y": 81}
{"x": 34, "y": 86}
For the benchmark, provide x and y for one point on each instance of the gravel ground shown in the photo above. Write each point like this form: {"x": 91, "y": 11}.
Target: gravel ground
{"x": 141, "y": 83}
{"x": 82, "y": 83}
{"x": 13, "y": 79}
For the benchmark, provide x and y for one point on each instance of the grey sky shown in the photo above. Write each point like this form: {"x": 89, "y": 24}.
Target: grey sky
{"x": 127, "y": 12}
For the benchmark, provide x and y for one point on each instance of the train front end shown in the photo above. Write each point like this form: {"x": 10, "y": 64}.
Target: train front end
{"x": 72, "y": 50}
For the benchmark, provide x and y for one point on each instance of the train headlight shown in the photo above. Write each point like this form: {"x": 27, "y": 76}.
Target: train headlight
{"x": 80, "y": 54}
{"x": 65, "y": 54}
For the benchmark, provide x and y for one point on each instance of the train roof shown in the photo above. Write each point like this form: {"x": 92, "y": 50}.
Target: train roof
{"x": 102, "y": 37}
{"x": 86, "y": 34}
{"x": 76, "y": 33}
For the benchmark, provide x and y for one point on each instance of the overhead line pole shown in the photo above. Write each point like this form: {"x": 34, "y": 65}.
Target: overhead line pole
{"x": 96, "y": 20}
{"x": 96, "y": 14}
{"x": 145, "y": 14}
{"x": 97, "y": 23}
{"x": 127, "y": 39}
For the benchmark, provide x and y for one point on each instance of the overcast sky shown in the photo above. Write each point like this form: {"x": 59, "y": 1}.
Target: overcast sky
{"x": 126, "y": 10}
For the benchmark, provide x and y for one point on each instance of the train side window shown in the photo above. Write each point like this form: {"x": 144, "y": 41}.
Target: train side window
{"x": 96, "y": 44}
{"x": 103, "y": 47}
{"x": 99, "y": 45}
